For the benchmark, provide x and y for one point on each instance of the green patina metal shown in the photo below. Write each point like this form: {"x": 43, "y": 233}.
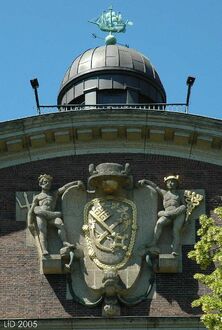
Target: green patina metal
{"x": 112, "y": 22}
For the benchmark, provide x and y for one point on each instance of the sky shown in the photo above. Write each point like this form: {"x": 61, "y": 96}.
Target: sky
{"x": 41, "y": 39}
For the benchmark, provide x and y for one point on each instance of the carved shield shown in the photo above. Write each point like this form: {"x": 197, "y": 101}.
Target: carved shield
{"x": 110, "y": 226}
{"x": 112, "y": 234}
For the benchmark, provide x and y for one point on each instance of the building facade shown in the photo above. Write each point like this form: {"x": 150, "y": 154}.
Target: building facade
{"x": 113, "y": 114}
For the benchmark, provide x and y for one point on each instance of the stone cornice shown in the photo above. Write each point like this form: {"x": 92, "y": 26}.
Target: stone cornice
{"x": 114, "y": 131}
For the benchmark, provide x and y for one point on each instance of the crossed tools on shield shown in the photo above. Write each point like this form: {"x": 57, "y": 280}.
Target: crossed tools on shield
{"x": 101, "y": 215}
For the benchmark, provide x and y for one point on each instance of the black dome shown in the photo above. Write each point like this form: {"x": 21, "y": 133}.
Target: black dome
{"x": 113, "y": 61}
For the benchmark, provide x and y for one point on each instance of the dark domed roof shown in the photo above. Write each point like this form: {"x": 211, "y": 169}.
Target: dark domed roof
{"x": 110, "y": 57}
{"x": 107, "y": 59}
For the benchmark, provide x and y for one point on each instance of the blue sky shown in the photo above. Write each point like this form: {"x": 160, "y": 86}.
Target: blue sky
{"x": 41, "y": 38}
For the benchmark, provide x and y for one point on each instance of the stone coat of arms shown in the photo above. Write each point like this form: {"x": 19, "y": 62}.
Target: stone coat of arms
{"x": 110, "y": 238}
{"x": 111, "y": 226}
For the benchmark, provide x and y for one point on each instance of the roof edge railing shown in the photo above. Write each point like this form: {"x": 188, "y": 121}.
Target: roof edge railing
{"x": 173, "y": 107}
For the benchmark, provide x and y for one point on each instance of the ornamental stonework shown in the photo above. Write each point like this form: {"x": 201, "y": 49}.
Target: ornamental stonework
{"x": 110, "y": 237}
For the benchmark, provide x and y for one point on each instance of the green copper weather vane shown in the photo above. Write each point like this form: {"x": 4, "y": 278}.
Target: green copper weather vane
{"x": 112, "y": 22}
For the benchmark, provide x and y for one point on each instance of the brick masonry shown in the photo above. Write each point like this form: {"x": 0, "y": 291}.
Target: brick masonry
{"x": 25, "y": 293}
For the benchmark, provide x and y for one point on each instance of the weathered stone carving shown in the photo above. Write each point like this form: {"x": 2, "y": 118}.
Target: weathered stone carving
{"x": 108, "y": 238}
{"x": 119, "y": 236}
{"x": 178, "y": 207}
{"x": 45, "y": 225}
{"x": 112, "y": 237}
{"x": 42, "y": 212}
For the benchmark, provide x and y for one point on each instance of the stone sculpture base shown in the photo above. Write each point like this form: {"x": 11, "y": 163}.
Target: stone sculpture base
{"x": 169, "y": 263}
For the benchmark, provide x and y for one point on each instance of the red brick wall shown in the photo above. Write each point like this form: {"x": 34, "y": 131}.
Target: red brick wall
{"x": 24, "y": 293}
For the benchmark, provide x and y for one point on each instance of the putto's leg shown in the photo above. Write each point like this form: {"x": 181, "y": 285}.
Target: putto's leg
{"x": 42, "y": 226}
{"x": 61, "y": 231}
{"x": 177, "y": 226}
{"x": 162, "y": 221}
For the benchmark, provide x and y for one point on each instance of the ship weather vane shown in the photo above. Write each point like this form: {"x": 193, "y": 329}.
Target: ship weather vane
{"x": 112, "y": 22}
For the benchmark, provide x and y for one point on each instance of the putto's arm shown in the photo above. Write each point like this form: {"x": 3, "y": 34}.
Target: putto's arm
{"x": 144, "y": 182}
{"x": 30, "y": 215}
{"x": 77, "y": 184}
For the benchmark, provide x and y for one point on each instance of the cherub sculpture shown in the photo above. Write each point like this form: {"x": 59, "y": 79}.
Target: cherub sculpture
{"x": 43, "y": 214}
{"x": 174, "y": 210}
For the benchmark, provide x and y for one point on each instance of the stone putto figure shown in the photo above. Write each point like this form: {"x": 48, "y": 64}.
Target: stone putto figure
{"x": 42, "y": 212}
{"x": 174, "y": 210}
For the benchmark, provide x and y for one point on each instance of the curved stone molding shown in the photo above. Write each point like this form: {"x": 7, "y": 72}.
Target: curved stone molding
{"x": 93, "y": 131}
